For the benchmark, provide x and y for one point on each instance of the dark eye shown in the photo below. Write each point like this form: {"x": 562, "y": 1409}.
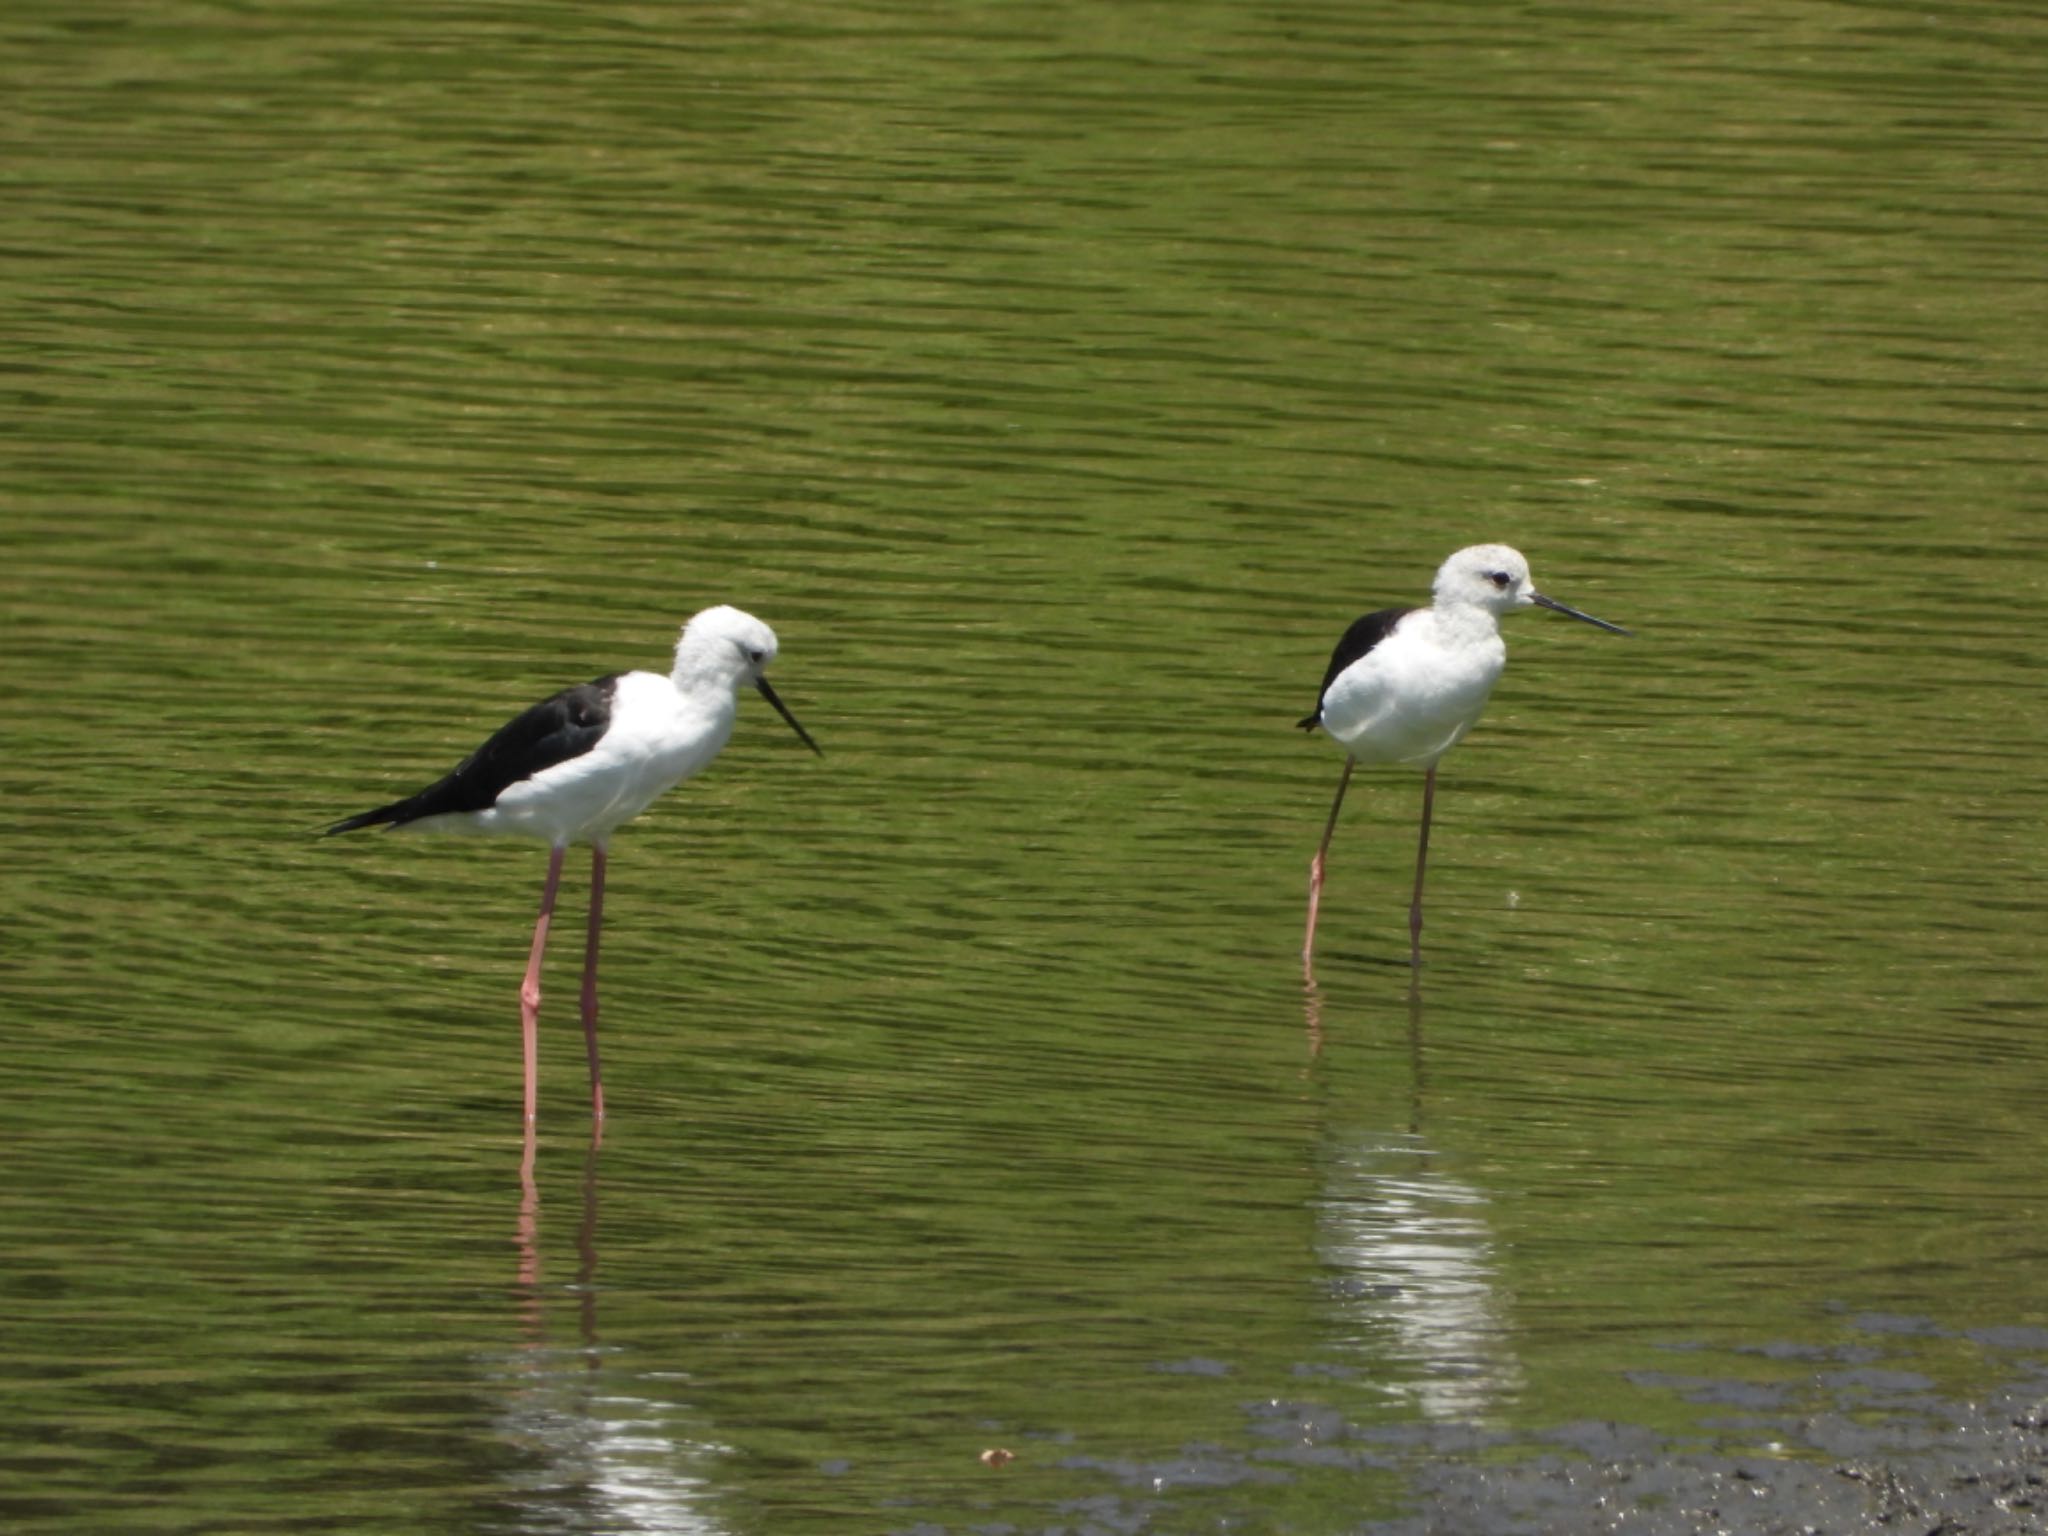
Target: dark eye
{"x": 1499, "y": 579}
{"x": 757, "y": 657}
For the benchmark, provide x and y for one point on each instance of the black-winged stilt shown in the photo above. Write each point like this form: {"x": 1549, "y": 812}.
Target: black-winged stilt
{"x": 1404, "y": 684}
{"x": 574, "y": 767}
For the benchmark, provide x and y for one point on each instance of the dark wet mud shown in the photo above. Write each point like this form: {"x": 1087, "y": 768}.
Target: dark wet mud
{"x": 1854, "y": 1444}
{"x": 1899, "y": 1460}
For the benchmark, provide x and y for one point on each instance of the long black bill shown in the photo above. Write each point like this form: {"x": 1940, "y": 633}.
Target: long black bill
{"x": 1556, "y": 607}
{"x": 782, "y": 709}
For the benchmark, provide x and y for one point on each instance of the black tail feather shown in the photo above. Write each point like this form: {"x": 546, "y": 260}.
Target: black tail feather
{"x": 383, "y": 815}
{"x": 1310, "y": 721}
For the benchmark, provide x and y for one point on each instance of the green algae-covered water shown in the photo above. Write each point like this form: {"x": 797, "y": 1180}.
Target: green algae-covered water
{"x": 1059, "y": 381}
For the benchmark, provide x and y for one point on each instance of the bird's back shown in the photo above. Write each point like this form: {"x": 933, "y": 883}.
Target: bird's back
{"x": 1357, "y": 643}
{"x": 557, "y": 729}
{"x": 658, "y": 736}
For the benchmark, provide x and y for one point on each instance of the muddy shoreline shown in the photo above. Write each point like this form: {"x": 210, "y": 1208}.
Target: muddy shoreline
{"x": 1901, "y": 1460}
{"x": 1859, "y": 1443}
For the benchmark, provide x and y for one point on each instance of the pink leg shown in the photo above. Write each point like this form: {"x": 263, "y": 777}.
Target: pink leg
{"x": 1421, "y": 863}
{"x": 590, "y": 981}
{"x": 1315, "y": 868}
{"x": 529, "y": 989}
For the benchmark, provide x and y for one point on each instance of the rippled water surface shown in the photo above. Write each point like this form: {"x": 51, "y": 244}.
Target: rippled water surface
{"x": 1059, "y": 381}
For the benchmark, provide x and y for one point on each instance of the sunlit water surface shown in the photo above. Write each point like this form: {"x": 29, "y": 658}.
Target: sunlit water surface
{"x": 1059, "y": 381}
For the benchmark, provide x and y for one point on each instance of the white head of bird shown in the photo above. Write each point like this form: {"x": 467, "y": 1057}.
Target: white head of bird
{"x": 721, "y": 648}
{"x": 723, "y": 645}
{"x": 1494, "y": 579}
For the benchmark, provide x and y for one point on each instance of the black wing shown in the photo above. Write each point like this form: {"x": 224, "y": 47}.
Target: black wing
{"x": 1358, "y": 640}
{"x": 553, "y": 731}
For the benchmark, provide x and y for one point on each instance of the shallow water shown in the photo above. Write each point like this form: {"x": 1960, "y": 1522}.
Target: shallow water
{"x": 1059, "y": 383}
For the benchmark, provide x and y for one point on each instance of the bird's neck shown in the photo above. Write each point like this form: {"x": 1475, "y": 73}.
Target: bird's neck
{"x": 1466, "y": 624}
{"x": 703, "y": 668}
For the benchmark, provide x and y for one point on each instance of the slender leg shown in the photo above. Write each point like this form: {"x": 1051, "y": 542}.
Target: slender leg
{"x": 529, "y": 1233}
{"x": 586, "y": 1252}
{"x": 1421, "y": 863}
{"x": 1315, "y": 868}
{"x": 590, "y": 980}
{"x": 529, "y": 989}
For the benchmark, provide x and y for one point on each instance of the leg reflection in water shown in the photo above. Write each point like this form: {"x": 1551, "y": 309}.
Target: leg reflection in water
{"x": 596, "y": 1449}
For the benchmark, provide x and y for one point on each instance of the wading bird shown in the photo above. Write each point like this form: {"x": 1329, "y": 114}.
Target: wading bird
{"x": 1405, "y": 684}
{"x": 574, "y": 767}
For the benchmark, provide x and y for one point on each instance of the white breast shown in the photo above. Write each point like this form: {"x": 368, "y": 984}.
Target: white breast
{"x": 1411, "y": 697}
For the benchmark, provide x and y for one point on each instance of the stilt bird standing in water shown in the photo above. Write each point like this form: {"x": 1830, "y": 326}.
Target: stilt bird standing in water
{"x": 1405, "y": 684}
{"x": 576, "y": 766}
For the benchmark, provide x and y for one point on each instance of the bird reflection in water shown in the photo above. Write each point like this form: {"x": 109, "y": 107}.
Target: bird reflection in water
{"x": 1410, "y": 1254}
{"x": 597, "y": 1452}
